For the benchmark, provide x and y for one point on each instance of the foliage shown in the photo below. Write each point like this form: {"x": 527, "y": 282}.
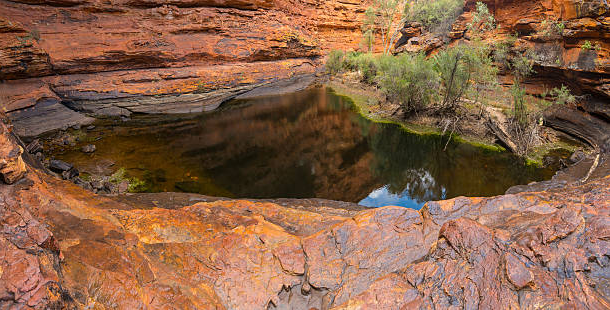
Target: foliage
{"x": 435, "y": 15}
{"x": 334, "y": 63}
{"x": 550, "y": 28}
{"x": 523, "y": 64}
{"x": 118, "y": 176}
{"x": 135, "y": 185}
{"x": 368, "y": 66}
{"x": 381, "y": 16}
{"x": 524, "y": 127}
{"x": 587, "y": 46}
{"x": 482, "y": 20}
{"x": 368, "y": 40}
{"x": 519, "y": 105}
{"x": 409, "y": 80}
{"x": 562, "y": 95}
{"x": 502, "y": 50}
{"x": 462, "y": 68}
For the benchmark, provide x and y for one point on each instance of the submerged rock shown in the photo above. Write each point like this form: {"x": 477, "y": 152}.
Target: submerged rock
{"x": 89, "y": 148}
{"x": 59, "y": 166}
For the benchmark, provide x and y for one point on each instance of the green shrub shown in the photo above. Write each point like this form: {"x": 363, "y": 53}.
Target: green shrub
{"x": 462, "y": 67}
{"x": 550, "y": 28}
{"x": 368, "y": 66}
{"x": 350, "y": 61}
{"x": 501, "y": 53}
{"x": 523, "y": 65}
{"x": 436, "y": 15}
{"x": 520, "y": 112}
{"x": 562, "y": 95}
{"x": 334, "y": 63}
{"x": 409, "y": 80}
{"x": 482, "y": 20}
{"x": 587, "y": 46}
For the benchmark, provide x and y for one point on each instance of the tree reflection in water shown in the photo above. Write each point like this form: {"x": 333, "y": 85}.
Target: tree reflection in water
{"x": 302, "y": 145}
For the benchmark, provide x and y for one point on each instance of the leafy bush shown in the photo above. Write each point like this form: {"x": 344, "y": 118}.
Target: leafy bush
{"x": 562, "y": 95}
{"x": 587, "y": 46}
{"x": 502, "y": 50}
{"x": 436, "y": 15}
{"x": 523, "y": 65}
{"x": 454, "y": 73}
{"x": 519, "y": 106}
{"x": 550, "y": 28}
{"x": 482, "y": 20}
{"x": 368, "y": 66}
{"x": 334, "y": 63}
{"x": 409, "y": 80}
{"x": 350, "y": 60}
{"x": 462, "y": 67}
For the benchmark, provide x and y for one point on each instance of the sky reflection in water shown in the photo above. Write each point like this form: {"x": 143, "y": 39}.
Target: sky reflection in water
{"x": 309, "y": 144}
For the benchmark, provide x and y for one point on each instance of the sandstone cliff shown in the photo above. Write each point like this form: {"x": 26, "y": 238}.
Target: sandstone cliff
{"x": 570, "y": 38}
{"x": 183, "y": 56}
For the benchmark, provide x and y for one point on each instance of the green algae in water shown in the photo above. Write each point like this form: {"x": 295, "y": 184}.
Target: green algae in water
{"x": 307, "y": 144}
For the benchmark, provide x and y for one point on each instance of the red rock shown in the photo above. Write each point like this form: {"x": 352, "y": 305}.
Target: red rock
{"x": 517, "y": 273}
{"x": 248, "y": 255}
{"x": 12, "y": 167}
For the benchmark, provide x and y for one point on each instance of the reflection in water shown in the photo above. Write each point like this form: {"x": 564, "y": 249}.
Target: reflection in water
{"x": 301, "y": 145}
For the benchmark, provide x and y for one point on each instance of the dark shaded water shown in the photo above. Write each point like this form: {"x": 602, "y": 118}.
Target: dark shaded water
{"x": 302, "y": 145}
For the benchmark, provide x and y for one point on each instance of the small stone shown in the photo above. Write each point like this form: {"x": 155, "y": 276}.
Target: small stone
{"x": 90, "y": 127}
{"x": 108, "y": 186}
{"x": 97, "y": 185}
{"x": 577, "y": 156}
{"x": 89, "y": 148}
{"x": 123, "y": 187}
{"x": 70, "y": 174}
{"x": 517, "y": 273}
{"x": 76, "y": 127}
{"x": 59, "y": 166}
{"x": 34, "y": 147}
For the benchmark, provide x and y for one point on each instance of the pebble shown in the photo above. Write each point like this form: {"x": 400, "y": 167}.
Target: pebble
{"x": 89, "y": 148}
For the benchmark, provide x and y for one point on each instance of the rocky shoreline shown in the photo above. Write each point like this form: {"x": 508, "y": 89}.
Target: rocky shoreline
{"x": 64, "y": 247}
{"x": 63, "y": 62}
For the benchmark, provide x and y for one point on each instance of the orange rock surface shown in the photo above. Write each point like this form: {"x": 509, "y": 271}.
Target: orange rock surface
{"x": 81, "y": 49}
{"x": 64, "y": 247}
{"x": 561, "y": 56}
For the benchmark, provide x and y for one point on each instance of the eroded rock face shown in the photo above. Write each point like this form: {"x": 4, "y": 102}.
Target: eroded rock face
{"x": 65, "y": 247}
{"x": 576, "y": 54}
{"x": 119, "y": 57}
{"x": 12, "y": 167}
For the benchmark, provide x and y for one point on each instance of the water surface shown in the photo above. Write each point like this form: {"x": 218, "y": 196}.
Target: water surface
{"x": 302, "y": 145}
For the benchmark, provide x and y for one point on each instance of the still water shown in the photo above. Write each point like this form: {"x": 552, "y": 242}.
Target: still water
{"x": 302, "y": 145}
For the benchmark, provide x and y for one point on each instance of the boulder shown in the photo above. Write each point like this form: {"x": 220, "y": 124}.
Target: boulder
{"x": 12, "y": 166}
{"x": 59, "y": 166}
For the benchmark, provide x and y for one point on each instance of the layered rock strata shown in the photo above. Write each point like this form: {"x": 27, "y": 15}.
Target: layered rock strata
{"x": 120, "y": 57}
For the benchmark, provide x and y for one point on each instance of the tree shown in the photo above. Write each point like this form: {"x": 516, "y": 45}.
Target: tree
{"x": 482, "y": 20}
{"x": 382, "y": 16}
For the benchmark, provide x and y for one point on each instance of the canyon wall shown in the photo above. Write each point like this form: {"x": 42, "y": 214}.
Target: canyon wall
{"x": 123, "y": 56}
